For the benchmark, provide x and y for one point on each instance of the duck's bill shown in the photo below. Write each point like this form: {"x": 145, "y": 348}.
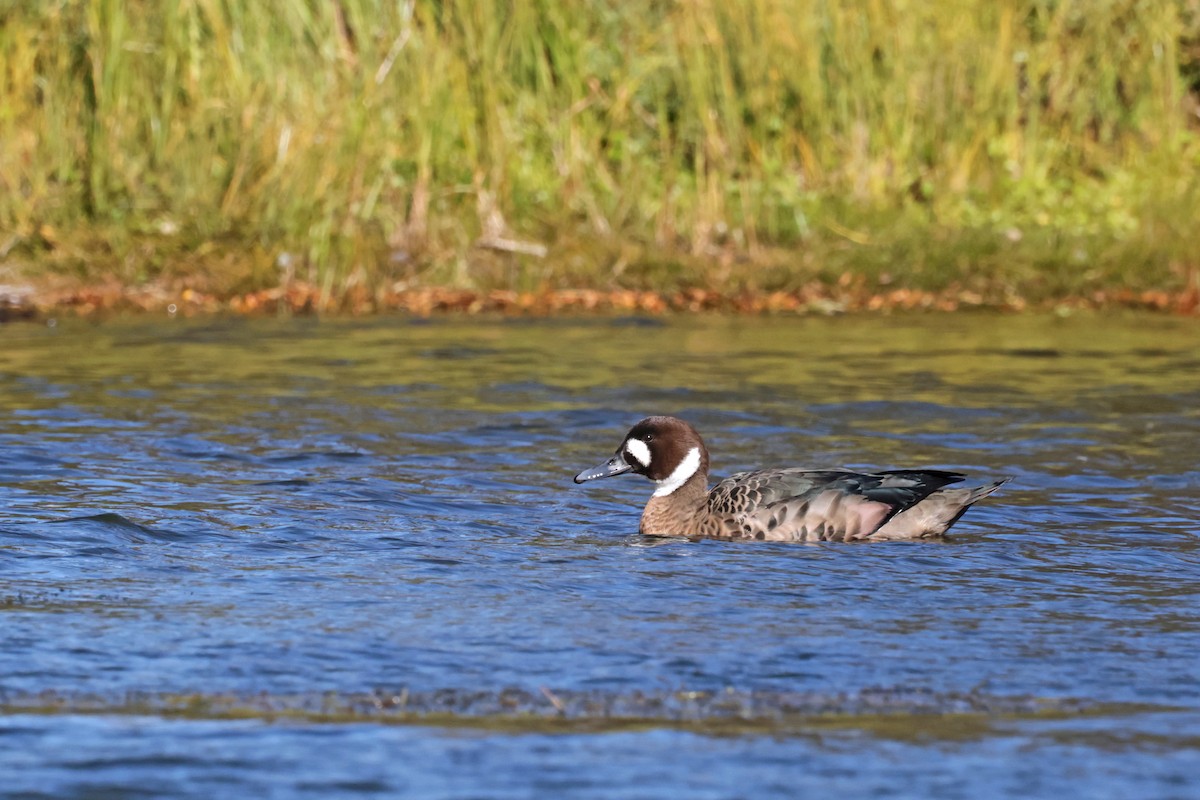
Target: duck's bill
{"x": 614, "y": 466}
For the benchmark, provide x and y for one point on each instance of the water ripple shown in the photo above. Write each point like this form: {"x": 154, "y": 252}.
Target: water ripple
{"x": 288, "y": 507}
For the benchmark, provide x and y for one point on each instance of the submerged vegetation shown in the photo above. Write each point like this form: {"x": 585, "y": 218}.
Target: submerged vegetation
{"x": 891, "y": 713}
{"x": 1026, "y": 149}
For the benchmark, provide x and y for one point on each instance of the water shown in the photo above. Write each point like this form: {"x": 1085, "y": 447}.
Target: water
{"x": 317, "y": 559}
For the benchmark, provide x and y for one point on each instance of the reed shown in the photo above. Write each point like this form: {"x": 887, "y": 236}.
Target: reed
{"x": 761, "y": 142}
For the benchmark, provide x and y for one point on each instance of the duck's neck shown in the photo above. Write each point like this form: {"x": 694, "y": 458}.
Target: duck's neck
{"x": 676, "y": 514}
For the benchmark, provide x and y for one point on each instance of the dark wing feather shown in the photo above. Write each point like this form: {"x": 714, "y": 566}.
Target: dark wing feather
{"x": 904, "y": 488}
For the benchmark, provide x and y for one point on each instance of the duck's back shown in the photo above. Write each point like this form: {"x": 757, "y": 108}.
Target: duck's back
{"x": 812, "y": 505}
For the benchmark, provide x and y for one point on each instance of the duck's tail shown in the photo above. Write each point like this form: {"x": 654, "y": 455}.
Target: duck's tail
{"x": 934, "y": 515}
{"x": 980, "y": 492}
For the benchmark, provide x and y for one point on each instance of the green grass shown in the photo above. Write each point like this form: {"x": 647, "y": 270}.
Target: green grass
{"x": 1049, "y": 145}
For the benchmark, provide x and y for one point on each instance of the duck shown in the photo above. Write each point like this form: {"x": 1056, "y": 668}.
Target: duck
{"x": 790, "y": 504}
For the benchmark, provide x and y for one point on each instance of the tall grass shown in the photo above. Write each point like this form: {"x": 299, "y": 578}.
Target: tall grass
{"x": 374, "y": 140}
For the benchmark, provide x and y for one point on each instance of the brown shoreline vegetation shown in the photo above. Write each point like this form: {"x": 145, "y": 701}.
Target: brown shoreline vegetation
{"x": 848, "y": 295}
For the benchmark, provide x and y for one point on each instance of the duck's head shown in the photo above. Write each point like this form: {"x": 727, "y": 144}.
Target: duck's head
{"x": 666, "y": 450}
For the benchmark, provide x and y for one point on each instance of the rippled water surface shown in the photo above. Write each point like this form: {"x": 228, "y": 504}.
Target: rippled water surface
{"x": 296, "y": 514}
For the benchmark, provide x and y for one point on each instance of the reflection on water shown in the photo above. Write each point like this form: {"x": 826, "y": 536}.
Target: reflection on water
{"x": 297, "y": 507}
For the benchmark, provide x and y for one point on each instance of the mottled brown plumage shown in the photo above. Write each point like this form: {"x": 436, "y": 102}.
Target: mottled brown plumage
{"x": 781, "y": 504}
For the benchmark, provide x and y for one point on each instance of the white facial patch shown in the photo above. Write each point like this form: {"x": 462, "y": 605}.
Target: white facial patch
{"x": 682, "y": 474}
{"x": 638, "y": 451}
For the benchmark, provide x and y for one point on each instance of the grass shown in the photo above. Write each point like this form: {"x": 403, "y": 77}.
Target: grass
{"x": 1044, "y": 147}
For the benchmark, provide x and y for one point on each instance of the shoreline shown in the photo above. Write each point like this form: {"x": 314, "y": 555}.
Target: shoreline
{"x": 32, "y": 302}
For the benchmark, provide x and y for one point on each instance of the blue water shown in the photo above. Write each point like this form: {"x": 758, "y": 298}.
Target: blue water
{"x": 147, "y": 757}
{"x": 300, "y": 509}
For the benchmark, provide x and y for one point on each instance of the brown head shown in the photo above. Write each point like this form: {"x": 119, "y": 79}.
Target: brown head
{"x": 666, "y": 450}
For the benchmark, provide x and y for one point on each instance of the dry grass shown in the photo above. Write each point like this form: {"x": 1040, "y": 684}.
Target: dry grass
{"x": 1044, "y": 148}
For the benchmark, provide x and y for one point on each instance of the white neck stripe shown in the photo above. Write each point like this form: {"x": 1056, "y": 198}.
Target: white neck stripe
{"x": 682, "y": 474}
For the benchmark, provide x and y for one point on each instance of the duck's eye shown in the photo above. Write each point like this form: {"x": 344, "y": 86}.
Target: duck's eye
{"x": 647, "y": 437}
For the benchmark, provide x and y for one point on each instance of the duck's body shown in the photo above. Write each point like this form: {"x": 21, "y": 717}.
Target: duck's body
{"x": 781, "y": 504}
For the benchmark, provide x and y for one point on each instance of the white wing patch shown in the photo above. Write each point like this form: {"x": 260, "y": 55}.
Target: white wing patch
{"x": 682, "y": 474}
{"x": 638, "y": 450}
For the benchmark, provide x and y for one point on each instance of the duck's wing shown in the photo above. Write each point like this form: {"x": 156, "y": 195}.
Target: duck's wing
{"x": 803, "y": 504}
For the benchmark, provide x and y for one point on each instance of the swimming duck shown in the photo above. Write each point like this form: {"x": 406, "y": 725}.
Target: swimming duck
{"x": 794, "y": 505}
